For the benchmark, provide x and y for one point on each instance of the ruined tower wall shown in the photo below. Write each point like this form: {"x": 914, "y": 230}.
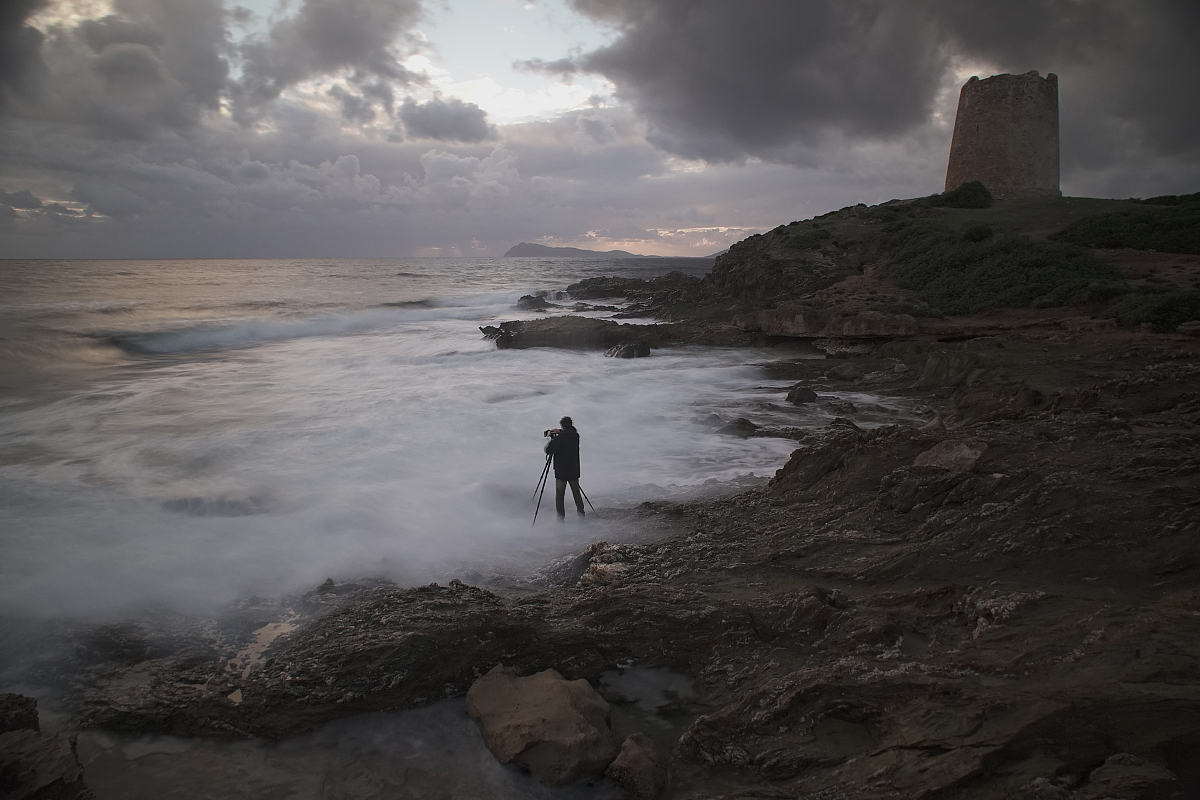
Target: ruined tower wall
{"x": 1006, "y": 135}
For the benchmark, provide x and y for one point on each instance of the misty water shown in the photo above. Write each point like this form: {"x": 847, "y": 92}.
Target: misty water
{"x": 182, "y": 434}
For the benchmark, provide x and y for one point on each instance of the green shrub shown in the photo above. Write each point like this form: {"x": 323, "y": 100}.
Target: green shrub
{"x": 1167, "y": 228}
{"x": 1163, "y": 310}
{"x": 961, "y": 277}
{"x": 972, "y": 194}
{"x": 977, "y": 233}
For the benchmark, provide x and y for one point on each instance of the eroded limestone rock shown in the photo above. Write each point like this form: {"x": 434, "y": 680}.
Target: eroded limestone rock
{"x": 955, "y": 455}
{"x": 555, "y": 728}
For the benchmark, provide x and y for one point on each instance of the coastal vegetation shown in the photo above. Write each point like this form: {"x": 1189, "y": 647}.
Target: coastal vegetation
{"x": 977, "y": 271}
{"x": 1168, "y": 224}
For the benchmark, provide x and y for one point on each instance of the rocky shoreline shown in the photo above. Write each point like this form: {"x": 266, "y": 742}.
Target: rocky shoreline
{"x": 996, "y": 601}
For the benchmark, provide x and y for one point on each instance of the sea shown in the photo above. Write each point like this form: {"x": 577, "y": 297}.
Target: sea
{"x": 180, "y": 435}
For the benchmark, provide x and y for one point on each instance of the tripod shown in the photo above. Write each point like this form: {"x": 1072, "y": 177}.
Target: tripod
{"x": 541, "y": 487}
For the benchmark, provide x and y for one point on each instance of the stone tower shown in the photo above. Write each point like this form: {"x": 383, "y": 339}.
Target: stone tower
{"x": 1006, "y": 135}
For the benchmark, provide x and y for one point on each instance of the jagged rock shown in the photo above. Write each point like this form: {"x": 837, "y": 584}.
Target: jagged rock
{"x": 17, "y": 713}
{"x": 629, "y": 350}
{"x": 800, "y": 394}
{"x": 1126, "y": 777}
{"x": 845, "y": 372}
{"x": 534, "y": 302}
{"x": 954, "y": 455}
{"x": 639, "y": 768}
{"x": 946, "y": 368}
{"x": 740, "y": 427}
{"x": 555, "y": 728}
{"x": 576, "y": 333}
{"x": 36, "y": 764}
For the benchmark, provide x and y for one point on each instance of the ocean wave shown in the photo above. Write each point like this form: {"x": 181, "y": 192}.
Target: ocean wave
{"x": 253, "y": 332}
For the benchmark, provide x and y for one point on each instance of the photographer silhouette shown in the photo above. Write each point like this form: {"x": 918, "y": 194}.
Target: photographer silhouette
{"x": 563, "y": 447}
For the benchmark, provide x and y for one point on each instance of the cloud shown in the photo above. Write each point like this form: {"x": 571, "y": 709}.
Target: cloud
{"x": 446, "y": 120}
{"x": 787, "y": 81}
{"x": 565, "y": 67}
{"x": 722, "y": 81}
{"x": 21, "y": 199}
{"x": 153, "y": 130}
{"x": 371, "y": 37}
{"x": 20, "y": 50}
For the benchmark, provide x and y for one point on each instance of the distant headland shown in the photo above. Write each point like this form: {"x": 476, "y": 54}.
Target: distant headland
{"x": 527, "y": 250}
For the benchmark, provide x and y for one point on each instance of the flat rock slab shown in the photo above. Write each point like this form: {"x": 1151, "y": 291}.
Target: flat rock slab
{"x": 954, "y": 455}
{"x": 555, "y": 728}
{"x": 573, "y": 333}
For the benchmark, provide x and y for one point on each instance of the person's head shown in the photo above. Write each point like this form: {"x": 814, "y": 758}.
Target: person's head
{"x": 566, "y": 423}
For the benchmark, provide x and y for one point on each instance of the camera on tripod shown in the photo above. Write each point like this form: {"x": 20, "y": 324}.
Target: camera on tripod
{"x": 552, "y": 432}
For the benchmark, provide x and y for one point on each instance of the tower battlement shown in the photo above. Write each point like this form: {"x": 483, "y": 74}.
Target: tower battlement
{"x": 1006, "y": 135}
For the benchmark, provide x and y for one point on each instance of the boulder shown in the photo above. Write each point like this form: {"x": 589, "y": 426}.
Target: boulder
{"x": 954, "y": 455}
{"x": 934, "y": 425}
{"x": 555, "y": 728}
{"x": 800, "y": 394}
{"x": 1125, "y": 776}
{"x": 629, "y": 350}
{"x": 17, "y": 713}
{"x": 740, "y": 427}
{"x": 36, "y": 763}
{"x": 639, "y": 768}
{"x": 845, "y": 372}
{"x": 534, "y": 302}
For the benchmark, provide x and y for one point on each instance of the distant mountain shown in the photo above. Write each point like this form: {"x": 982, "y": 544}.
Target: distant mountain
{"x": 714, "y": 255}
{"x": 527, "y": 250}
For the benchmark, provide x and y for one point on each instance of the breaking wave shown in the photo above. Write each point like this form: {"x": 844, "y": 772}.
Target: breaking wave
{"x": 253, "y": 332}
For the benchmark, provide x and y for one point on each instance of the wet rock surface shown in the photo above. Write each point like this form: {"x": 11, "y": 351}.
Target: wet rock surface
{"x": 998, "y": 600}
{"x": 999, "y": 621}
{"x": 36, "y": 763}
{"x": 639, "y": 768}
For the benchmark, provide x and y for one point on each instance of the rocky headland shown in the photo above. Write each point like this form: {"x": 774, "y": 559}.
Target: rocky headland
{"x": 996, "y": 600}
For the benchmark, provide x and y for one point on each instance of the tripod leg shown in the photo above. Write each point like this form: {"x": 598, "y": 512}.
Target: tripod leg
{"x": 585, "y": 497}
{"x": 539, "y": 502}
{"x": 542, "y": 480}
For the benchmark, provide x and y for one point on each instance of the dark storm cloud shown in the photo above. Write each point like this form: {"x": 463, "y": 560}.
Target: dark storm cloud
{"x": 370, "y": 36}
{"x": 149, "y": 66}
{"x": 21, "y": 199}
{"x": 446, "y": 120}
{"x": 20, "y": 49}
{"x": 721, "y": 81}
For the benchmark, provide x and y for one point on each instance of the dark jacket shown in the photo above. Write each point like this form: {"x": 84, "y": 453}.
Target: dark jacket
{"x": 565, "y": 449}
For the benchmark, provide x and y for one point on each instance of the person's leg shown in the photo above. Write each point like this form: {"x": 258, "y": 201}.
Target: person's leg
{"x": 578, "y": 494}
{"x": 560, "y": 495}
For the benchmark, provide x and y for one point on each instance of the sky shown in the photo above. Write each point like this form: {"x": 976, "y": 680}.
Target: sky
{"x": 396, "y": 128}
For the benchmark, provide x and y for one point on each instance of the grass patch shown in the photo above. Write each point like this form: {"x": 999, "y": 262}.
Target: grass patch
{"x": 1167, "y": 227}
{"x": 955, "y": 276}
{"x": 1165, "y": 311}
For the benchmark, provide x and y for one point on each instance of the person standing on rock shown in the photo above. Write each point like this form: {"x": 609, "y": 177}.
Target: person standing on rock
{"x": 563, "y": 447}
